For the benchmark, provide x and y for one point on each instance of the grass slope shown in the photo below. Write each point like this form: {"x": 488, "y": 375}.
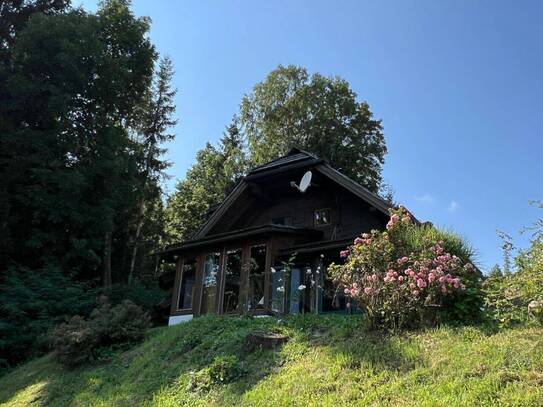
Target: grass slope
{"x": 327, "y": 361}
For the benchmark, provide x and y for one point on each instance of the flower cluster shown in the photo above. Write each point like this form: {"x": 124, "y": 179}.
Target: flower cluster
{"x": 391, "y": 277}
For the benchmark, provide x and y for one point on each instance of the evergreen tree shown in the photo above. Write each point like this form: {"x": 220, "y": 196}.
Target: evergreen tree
{"x": 207, "y": 183}
{"x": 152, "y": 134}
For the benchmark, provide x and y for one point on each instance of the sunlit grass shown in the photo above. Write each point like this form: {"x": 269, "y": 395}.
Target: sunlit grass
{"x": 327, "y": 361}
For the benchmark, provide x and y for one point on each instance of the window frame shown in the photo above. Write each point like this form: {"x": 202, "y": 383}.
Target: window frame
{"x": 265, "y": 273}
{"x": 222, "y": 288}
{"x": 324, "y": 224}
{"x": 221, "y": 253}
{"x": 181, "y": 311}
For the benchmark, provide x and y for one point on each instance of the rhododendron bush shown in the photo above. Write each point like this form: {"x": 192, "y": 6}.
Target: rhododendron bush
{"x": 409, "y": 275}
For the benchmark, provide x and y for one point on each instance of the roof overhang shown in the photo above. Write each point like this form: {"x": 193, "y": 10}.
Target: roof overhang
{"x": 256, "y": 231}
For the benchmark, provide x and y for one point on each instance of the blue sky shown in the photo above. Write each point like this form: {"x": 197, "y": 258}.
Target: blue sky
{"x": 457, "y": 84}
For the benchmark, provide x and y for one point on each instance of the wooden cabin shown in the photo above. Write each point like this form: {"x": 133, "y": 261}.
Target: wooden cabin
{"x": 237, "y": 263}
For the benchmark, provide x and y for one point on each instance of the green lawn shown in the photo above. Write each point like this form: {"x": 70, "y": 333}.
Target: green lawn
{"x": 329, "y": 360}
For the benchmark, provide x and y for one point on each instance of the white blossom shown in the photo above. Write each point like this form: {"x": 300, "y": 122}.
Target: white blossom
{"x": 302, "y": 287}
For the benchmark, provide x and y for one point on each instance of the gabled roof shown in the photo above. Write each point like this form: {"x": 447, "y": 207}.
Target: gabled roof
{"x": 295, "y": 155}
{"x": 295, "y": 158}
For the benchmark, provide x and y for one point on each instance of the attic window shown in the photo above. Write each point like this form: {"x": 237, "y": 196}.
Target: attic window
{"x": 322, "y": 217}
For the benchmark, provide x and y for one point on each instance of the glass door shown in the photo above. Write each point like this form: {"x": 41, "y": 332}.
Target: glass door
{"x": 257, "y": 268}
{"x": 209, "y": 283}
{"x": 232, "y": 279}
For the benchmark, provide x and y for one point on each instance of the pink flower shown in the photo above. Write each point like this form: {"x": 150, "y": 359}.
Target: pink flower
{"x": 412, "y": 286}
{"x": 442, "y": 279}
{"x": 444, "y": 289}
{"x": 421, "y": 283}
{"x": 431, "y": 277}
{"x": 415, "y": 293}
{"x": 367, "y": 291}
{"x": 346, "y": 291}
{"x": 344, "y": 253}
{"x": 375, "y": 277}
{"x": 400, "y": 279}
{"x": 358, "y": 241}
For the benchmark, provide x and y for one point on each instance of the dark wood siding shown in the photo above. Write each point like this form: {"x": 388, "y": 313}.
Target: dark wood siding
{"x": 275, "y": 198}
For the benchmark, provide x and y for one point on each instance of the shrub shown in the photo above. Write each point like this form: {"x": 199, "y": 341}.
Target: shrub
{"x": 222, "y": 370}
{"x": 33, "y": 302}
{"x": 410, "y": 275}
{"x": 146, "y": 295}
{"x": 75, "y": 341}
{"x": 79, "y": 340}
{"x": 513, "y": 298}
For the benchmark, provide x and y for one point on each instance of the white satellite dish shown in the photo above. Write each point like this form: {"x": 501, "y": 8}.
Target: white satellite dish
{"x": 305, "y": 182}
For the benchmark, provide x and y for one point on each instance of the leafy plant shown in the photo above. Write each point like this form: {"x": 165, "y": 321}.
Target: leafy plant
{"x": 515, "y": 298}
{"x": 410, "y": 275}
{"x": 32, "y": 302}
{"x": 79, "y": 340}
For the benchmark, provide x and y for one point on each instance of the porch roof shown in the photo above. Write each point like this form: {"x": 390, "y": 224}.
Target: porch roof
{"x": 255, "y": 231}
{"x": 320, "y": 246}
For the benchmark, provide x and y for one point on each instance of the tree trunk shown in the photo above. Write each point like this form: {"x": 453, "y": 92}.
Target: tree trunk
{"x": 107, "y": 260}
{"x": 139, "y": 225}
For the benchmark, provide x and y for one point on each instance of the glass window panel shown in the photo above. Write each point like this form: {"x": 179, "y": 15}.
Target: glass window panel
{"x": 186, "y": 291}
{"x": 209, "y": 286}
{"x": 278, "y": 289}
{"x": 322, "y": 217}
{"x": 257, "y": 267}
{"x": 232, "y": 276}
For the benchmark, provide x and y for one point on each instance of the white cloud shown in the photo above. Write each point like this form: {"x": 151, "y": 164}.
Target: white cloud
{"x": 453, "y": 206}
{"x": 426, "y": 198}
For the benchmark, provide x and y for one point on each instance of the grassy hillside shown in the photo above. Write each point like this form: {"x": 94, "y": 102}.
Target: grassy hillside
{"x": 327, "y": 361}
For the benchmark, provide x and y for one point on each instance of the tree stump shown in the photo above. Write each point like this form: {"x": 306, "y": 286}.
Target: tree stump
{"x": 266, "y": 340}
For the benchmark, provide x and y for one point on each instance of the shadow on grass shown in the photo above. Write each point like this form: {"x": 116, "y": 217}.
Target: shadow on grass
{"x": 169, "y": 358}
{"x": 164, "y": 360}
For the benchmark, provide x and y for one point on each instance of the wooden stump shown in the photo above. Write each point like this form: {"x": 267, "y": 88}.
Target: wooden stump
{"x": 266, "y": 340}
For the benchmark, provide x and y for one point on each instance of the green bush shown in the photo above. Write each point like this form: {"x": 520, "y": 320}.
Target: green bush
{"x": 81, "y": 340}
{"x": 410, "y": 275}
{"x": 222, "y": 370}
{"x": 508, "y": 295}
{"x": 33, "y": 302}
{"x": 146, "y": 295}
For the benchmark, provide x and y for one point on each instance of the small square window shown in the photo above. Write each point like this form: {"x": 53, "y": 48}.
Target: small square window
{"x": 322, "y": 217}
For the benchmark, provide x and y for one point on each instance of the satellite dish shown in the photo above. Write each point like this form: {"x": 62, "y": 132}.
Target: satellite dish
{"x": 305, "y": 182}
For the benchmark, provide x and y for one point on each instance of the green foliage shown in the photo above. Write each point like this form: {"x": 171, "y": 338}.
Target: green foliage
{"x": 410, "y": 275}
{"x": 222, "y": 370}
{"x": 145, "y": 295}
{"x": 79, "y": 340}
{"x": 328, "y": 360}
{"x": 83, "y": 115}
{"x": 32, "y": 302}
{"x": 215, "y": 173}
{"x": 319, "y": 114}
{"x": 508, "y": 295}
{"x": 288, "y": 109}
